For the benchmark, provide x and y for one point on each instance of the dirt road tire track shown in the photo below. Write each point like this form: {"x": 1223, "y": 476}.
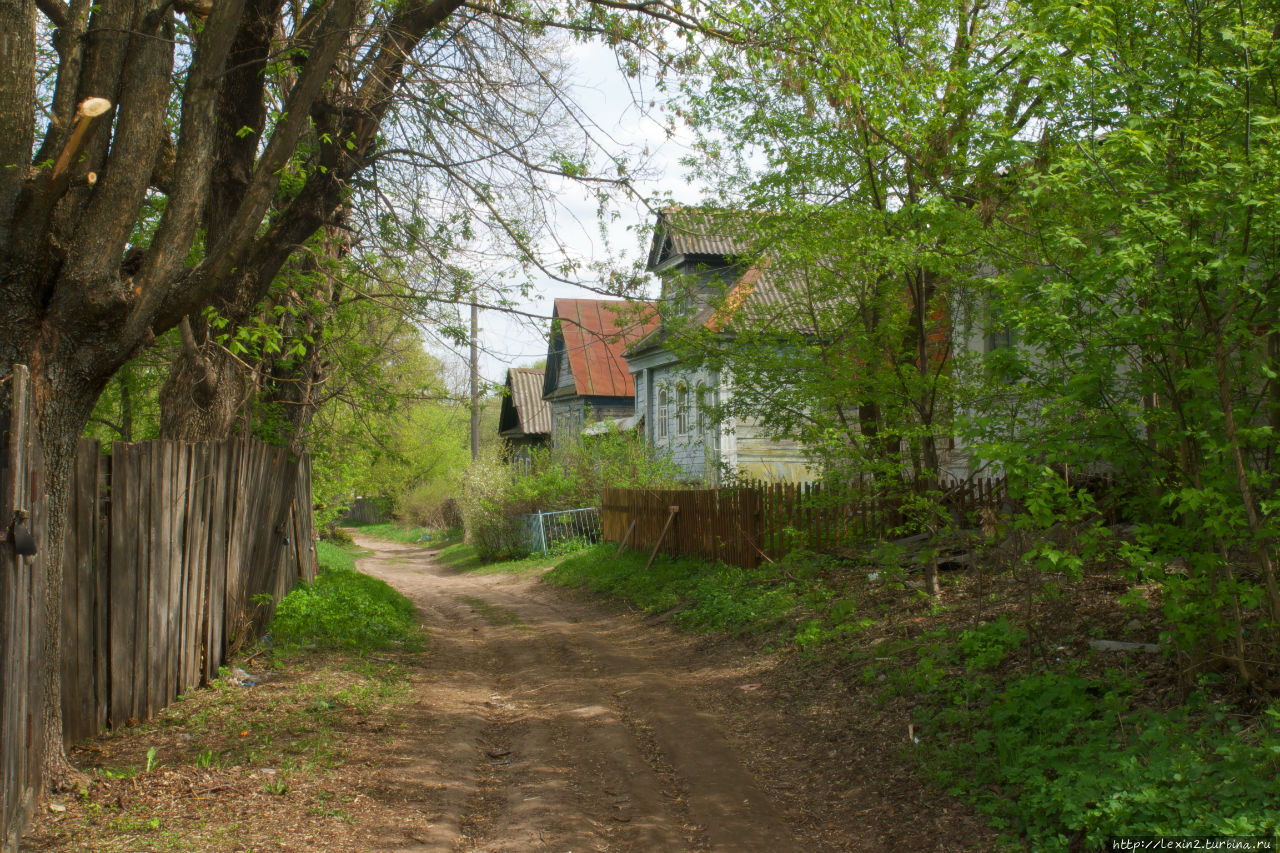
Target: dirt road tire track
{"x": 548, "y": 725}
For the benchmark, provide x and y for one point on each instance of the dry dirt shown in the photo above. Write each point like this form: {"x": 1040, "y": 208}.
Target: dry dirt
{"x": 551, "y": 724}
{"x": 535, "y": 720}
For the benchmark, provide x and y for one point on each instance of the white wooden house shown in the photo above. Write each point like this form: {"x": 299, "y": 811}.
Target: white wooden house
{"x": 700, "y": 261}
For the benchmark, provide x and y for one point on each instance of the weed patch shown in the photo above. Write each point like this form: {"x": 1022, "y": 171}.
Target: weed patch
{"x": 465, "y": 558}
{"x": 345, "y": 609}
{"x": 410, "y": 534}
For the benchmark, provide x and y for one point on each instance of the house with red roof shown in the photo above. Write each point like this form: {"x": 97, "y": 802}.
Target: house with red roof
{"x": 587, "y": 380}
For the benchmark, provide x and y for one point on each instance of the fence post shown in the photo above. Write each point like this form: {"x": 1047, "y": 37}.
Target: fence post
{"x": 542, "y": 532}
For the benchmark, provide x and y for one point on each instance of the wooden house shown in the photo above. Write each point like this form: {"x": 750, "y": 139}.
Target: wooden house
{"x": 586, "y": 378}
{"x": 716, "y": 276}
{"x": 525, "y": 419}
{"x": 701, "y": 257}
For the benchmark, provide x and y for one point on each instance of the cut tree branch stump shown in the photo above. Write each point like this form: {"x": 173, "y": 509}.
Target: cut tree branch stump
{"x": 89, "y": 109}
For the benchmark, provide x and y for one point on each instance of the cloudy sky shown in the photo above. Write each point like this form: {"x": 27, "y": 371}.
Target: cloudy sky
{"x": 608, "y": 99}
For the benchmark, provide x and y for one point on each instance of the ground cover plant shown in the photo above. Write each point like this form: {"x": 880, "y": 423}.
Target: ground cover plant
{"x": 410, "y": 534}
{"x": 1006, "y": 702}
{"x": 344, "y": 609}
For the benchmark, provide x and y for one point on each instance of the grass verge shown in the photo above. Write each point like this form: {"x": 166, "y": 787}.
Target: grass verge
{"x": 1059, "y": 745}
{"x": 701, "y": 595}
{"x": 345, "y": 609}
{"x": 409, "y": 534}
{"x": 464, "y": 558}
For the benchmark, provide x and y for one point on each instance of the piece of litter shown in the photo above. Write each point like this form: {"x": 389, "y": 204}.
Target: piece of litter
{"x": 755, "y": 686}
{"x": 1118, "y": 646}
{"x": 57, "y": 807}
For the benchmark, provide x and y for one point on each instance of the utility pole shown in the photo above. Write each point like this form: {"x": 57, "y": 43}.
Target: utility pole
{"x": 475, "y": 381}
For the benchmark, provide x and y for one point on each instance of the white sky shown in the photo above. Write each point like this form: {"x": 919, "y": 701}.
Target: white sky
{"x": 605, "y": 97}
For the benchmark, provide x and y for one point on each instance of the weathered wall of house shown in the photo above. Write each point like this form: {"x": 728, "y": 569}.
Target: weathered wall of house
{"x": 691, "y": 437}
{"x": 759, "y": 457}
{"x": 570, "y": 415}
{"x": 705, "y": 450}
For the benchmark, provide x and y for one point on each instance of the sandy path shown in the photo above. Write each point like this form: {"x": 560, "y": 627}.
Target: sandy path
{"x": 548, "y": 725}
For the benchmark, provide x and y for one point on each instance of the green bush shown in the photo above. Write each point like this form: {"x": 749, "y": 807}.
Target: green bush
{"x": 495, "y": 495}
{"x": 345, "y": 609}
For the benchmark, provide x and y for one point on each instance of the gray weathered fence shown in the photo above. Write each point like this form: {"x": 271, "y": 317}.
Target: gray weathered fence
{"x": 23, "y": 629}
{"x": 175, "y": 555}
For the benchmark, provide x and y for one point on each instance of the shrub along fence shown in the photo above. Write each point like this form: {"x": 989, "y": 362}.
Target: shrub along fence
{"x": 175, "y": 554}
{"x": 754, "y": 522}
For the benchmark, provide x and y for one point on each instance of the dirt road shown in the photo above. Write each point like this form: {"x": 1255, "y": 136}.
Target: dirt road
{"x": 548, "y": 725}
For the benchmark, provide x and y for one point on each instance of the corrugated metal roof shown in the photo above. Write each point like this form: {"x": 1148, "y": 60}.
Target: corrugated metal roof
{"x": 529, "y": 414}
{"x": 595, "y": 332}
{"x": 766, "y": 297}
{"x": 700, "y": 231}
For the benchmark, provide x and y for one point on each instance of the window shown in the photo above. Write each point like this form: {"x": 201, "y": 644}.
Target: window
{"x": 664, "y": 403}
{"x": 700, "y": 401}
{"x": 682, "y": 409}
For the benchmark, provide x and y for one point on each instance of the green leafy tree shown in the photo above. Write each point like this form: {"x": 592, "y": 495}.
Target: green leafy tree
{"x": 1140, "y": 273}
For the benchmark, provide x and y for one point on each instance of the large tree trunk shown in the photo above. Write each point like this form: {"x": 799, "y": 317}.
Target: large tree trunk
{"x": 78, "y": 296}
{"x": 62, "y": 397}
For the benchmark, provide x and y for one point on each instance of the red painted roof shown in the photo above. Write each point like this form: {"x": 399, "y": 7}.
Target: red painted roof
{"x": 596, "y": 332}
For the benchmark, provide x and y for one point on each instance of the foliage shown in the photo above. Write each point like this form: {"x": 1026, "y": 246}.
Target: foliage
{"x": 1137, "y": 272}
{"x": 409, "y": 534}
{"x": 1076, "y": 762}
{"x": 872, "y": 140}
{"x": 344, "y": 609}
{"x": 701, "y": 595}
{"x": 1091, "y": 183}
{"x": 495, "y": 495}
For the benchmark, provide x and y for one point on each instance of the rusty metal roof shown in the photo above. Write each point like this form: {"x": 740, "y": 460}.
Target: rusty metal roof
{"x": 524, "y": 412}
{"x": 594, "y": 333}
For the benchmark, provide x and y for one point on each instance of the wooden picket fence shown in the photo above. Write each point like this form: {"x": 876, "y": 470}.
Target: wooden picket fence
{"x": 174, "y": 556}
{"x": 719, "y": 524}
{"x": 753, "y": 522}
{"x": 193, "y": 544}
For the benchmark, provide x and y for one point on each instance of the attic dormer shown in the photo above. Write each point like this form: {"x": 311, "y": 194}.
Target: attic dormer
{"x": 698, "y": 253}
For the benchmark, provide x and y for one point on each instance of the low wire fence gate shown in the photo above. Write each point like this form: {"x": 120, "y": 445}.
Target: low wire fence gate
{"x": 545, "y": 530}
